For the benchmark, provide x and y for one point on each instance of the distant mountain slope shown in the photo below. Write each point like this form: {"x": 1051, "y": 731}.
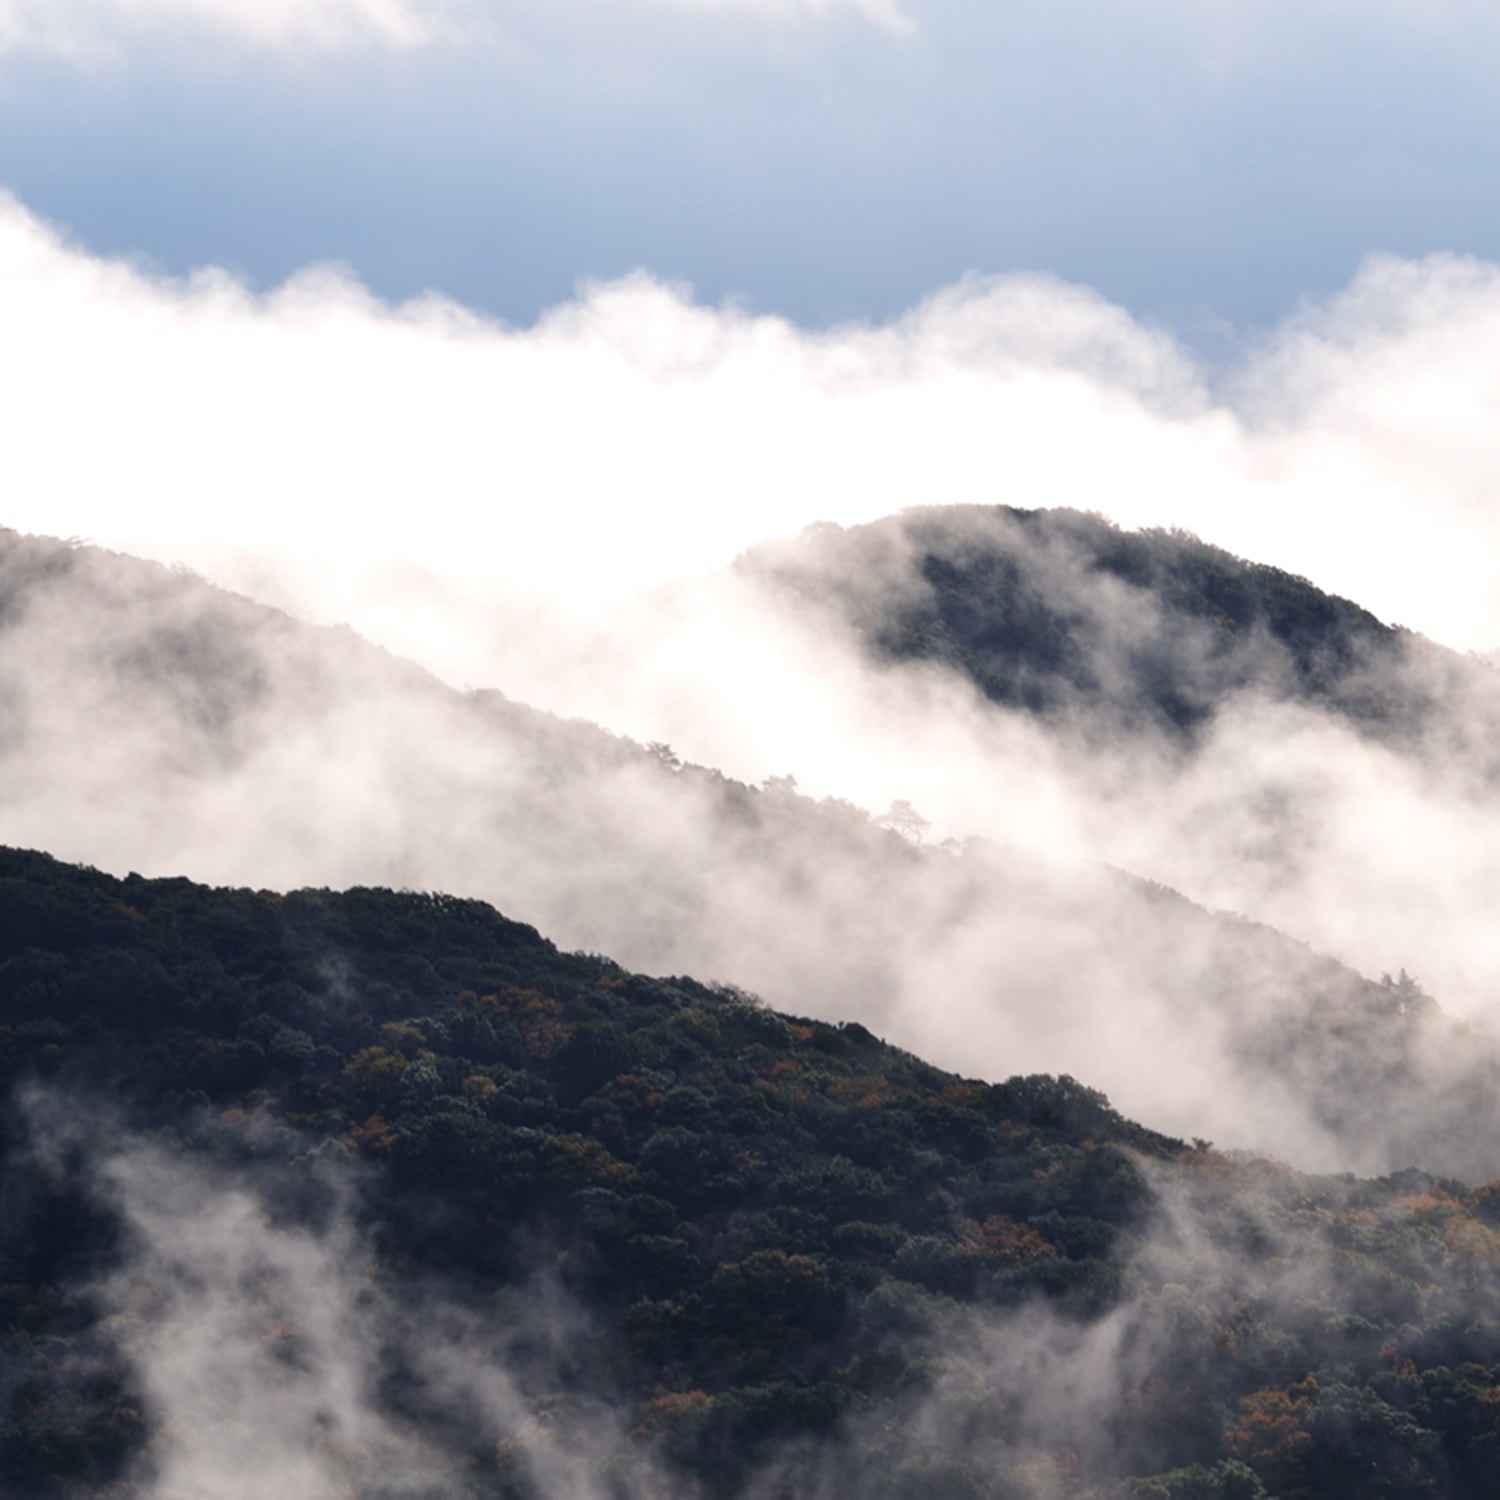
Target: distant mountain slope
{"x": 1062, "y": 613}
{"x": 155, "y": 723}
{"x": 381, "y": 1194}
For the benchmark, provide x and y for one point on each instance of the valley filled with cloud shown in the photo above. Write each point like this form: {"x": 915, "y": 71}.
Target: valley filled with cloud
{"x": 948, "y": 562}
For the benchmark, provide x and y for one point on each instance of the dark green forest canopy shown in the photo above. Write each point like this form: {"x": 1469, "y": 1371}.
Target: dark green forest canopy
{"x": 1062, "y": 613}
{"x": 801, "y": 1253}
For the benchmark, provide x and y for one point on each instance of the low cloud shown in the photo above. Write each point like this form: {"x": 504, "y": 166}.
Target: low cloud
{"x": 276, "y": 1346}
{"x": 260, "y": 1333}
{"x": 634, "y": 436}
{"x": 91, "y": 29}
{"x": 511, "y": 506}
{"x": 154, "y": 724}
{"x": 883, "y": 13}
{"x": 1220, "y": 42}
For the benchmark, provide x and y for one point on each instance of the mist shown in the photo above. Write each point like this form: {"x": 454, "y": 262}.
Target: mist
{"x": 274, "y": 1348}
{"x": 97, "y": 32}
{"x": 271, "y": 1351}
{"x": 158, "y": 725}
{"x": 551, "y": 512}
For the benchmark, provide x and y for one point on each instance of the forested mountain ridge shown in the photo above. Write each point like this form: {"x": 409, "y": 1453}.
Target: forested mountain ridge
{"x": 502, "y": 1221}
{"x": 1065, "y": 614}
{"x": 154, "y": 722}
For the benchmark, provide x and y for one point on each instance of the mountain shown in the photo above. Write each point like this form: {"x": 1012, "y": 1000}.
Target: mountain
{"x": 155, "y": 723}
{"x": 1111, "y": 633}
{"x": 375, "y": 1193}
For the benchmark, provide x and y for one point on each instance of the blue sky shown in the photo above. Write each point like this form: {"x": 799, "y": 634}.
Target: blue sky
{"x": 1204, "y": 165}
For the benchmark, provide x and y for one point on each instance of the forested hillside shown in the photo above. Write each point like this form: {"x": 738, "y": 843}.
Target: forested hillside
{"x": 152, "y": 722}
{"x": 389, "y": 1192}
{"x": 1110, "y": 632}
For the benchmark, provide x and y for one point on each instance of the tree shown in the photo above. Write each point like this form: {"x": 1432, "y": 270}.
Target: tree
{"x": 905, "y": 820}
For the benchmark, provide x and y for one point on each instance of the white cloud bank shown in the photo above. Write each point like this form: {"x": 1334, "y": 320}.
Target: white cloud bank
{"x": 633, "y": 436}
{"x": 488, "y": 499}
{"x": 1221, "y": 40}
{"x": 83, "y": 28}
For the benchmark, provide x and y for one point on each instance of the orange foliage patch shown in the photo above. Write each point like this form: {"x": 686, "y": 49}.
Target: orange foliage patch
{"x": 374, "y": 1068}
{"x": 1271, "y": 1435}
{"x": 373, "y": 1136}
{"x": 1426, "y": 1203}
{"x": 1004, "y": 1240}
{"x": 862, "y": 1091}
{"x": 632, "y": 1093}
{"x": 1470, "y": 1240}
{"x": 579, "y": 1158}
{"x": 962, "y": 1093}
{"x": 667, "y": 1410}
{"x": 538, "y": 1017}
{"x": 402, "y": 1036}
